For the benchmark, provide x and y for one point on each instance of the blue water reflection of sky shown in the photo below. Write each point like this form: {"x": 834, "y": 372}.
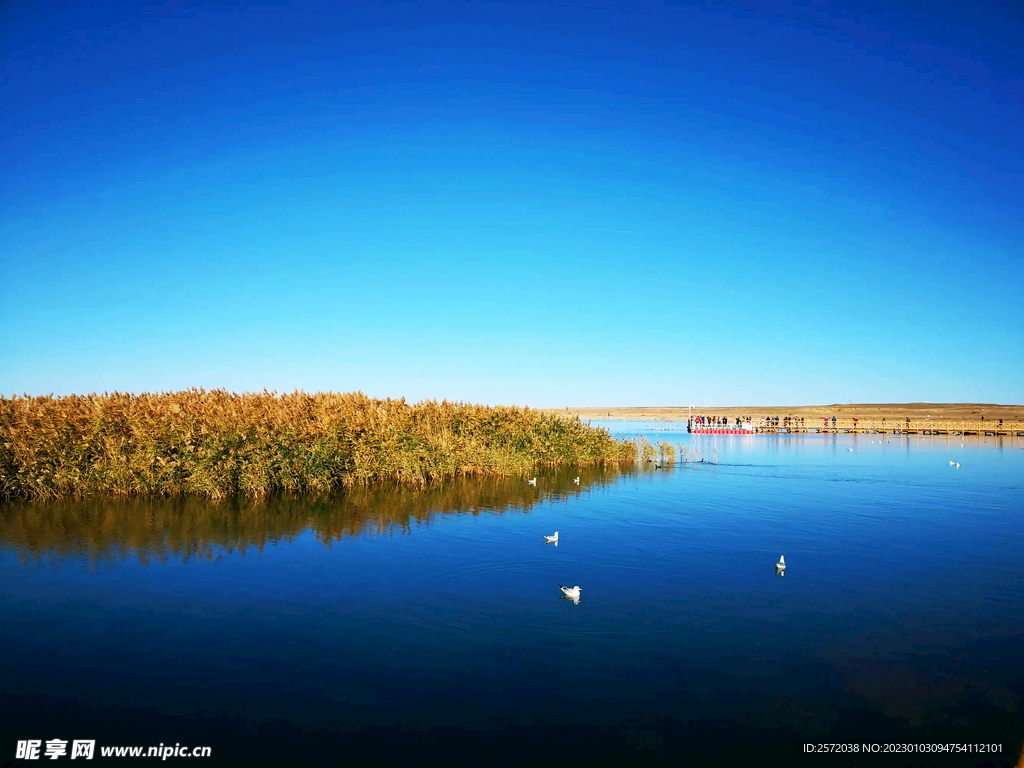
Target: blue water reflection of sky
{"x": 901, "y": 606}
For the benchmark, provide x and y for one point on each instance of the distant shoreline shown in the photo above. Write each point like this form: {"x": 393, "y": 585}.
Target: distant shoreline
{"x": 947, "y": 411}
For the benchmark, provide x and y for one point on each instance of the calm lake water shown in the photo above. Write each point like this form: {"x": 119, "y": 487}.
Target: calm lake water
{"x": 391, "y": 627}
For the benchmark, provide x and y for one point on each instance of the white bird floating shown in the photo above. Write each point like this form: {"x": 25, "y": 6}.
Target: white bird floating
{"x": 573, "y": 593}
{"x": 781, "y": 565}
{"x": 532, "y": 482}
{"x": 958, "y": 465}
{"x": 951, "y": 462}
{"x": 577, "y": 480}
{"x": 551, "y": 539}
{"x": 850, "y": 450}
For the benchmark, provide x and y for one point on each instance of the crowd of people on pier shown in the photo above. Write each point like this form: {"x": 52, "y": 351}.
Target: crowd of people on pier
{"x": 786, "y": 422}
{"x": 720, "y": 422}
{"x": 706, "y": 423}
{"x": 743, "y": 423}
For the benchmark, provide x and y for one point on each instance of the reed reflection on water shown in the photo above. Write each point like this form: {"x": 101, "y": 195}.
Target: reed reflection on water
{"x": 190, "y": 528}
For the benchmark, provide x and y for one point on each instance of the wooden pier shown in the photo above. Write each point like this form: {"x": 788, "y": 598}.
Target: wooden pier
{"x": 892, "y": 426}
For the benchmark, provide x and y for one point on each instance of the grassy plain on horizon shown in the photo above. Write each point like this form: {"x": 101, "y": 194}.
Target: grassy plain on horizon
{"x": 863, "y": 411}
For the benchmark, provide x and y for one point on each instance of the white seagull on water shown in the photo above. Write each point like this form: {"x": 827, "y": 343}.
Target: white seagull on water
{"x": 532, "y": 482}
{"x": 780, "y": 566}
{"x": 551, "y": 539}
{"x": 577, "y": 480}
{"x": 573, "y": 593}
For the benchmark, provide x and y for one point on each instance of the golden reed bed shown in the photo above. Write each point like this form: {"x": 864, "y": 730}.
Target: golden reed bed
{"x": 219, "y": 444}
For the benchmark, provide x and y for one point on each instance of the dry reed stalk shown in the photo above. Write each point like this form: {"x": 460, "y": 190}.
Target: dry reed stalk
{"x": 646, "y": 452}
{"x": 666, "y": 452}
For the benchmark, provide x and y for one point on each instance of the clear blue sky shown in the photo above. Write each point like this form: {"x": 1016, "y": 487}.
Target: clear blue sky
{"x": 530, "y": 203}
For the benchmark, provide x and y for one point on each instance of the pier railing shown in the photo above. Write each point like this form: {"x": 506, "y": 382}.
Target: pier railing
{"x": 894, "y": 426}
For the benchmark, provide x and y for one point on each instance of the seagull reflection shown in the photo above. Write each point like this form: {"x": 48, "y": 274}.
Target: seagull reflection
{"x": 573, "y": 593}
{"x": 574, "y": 600}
